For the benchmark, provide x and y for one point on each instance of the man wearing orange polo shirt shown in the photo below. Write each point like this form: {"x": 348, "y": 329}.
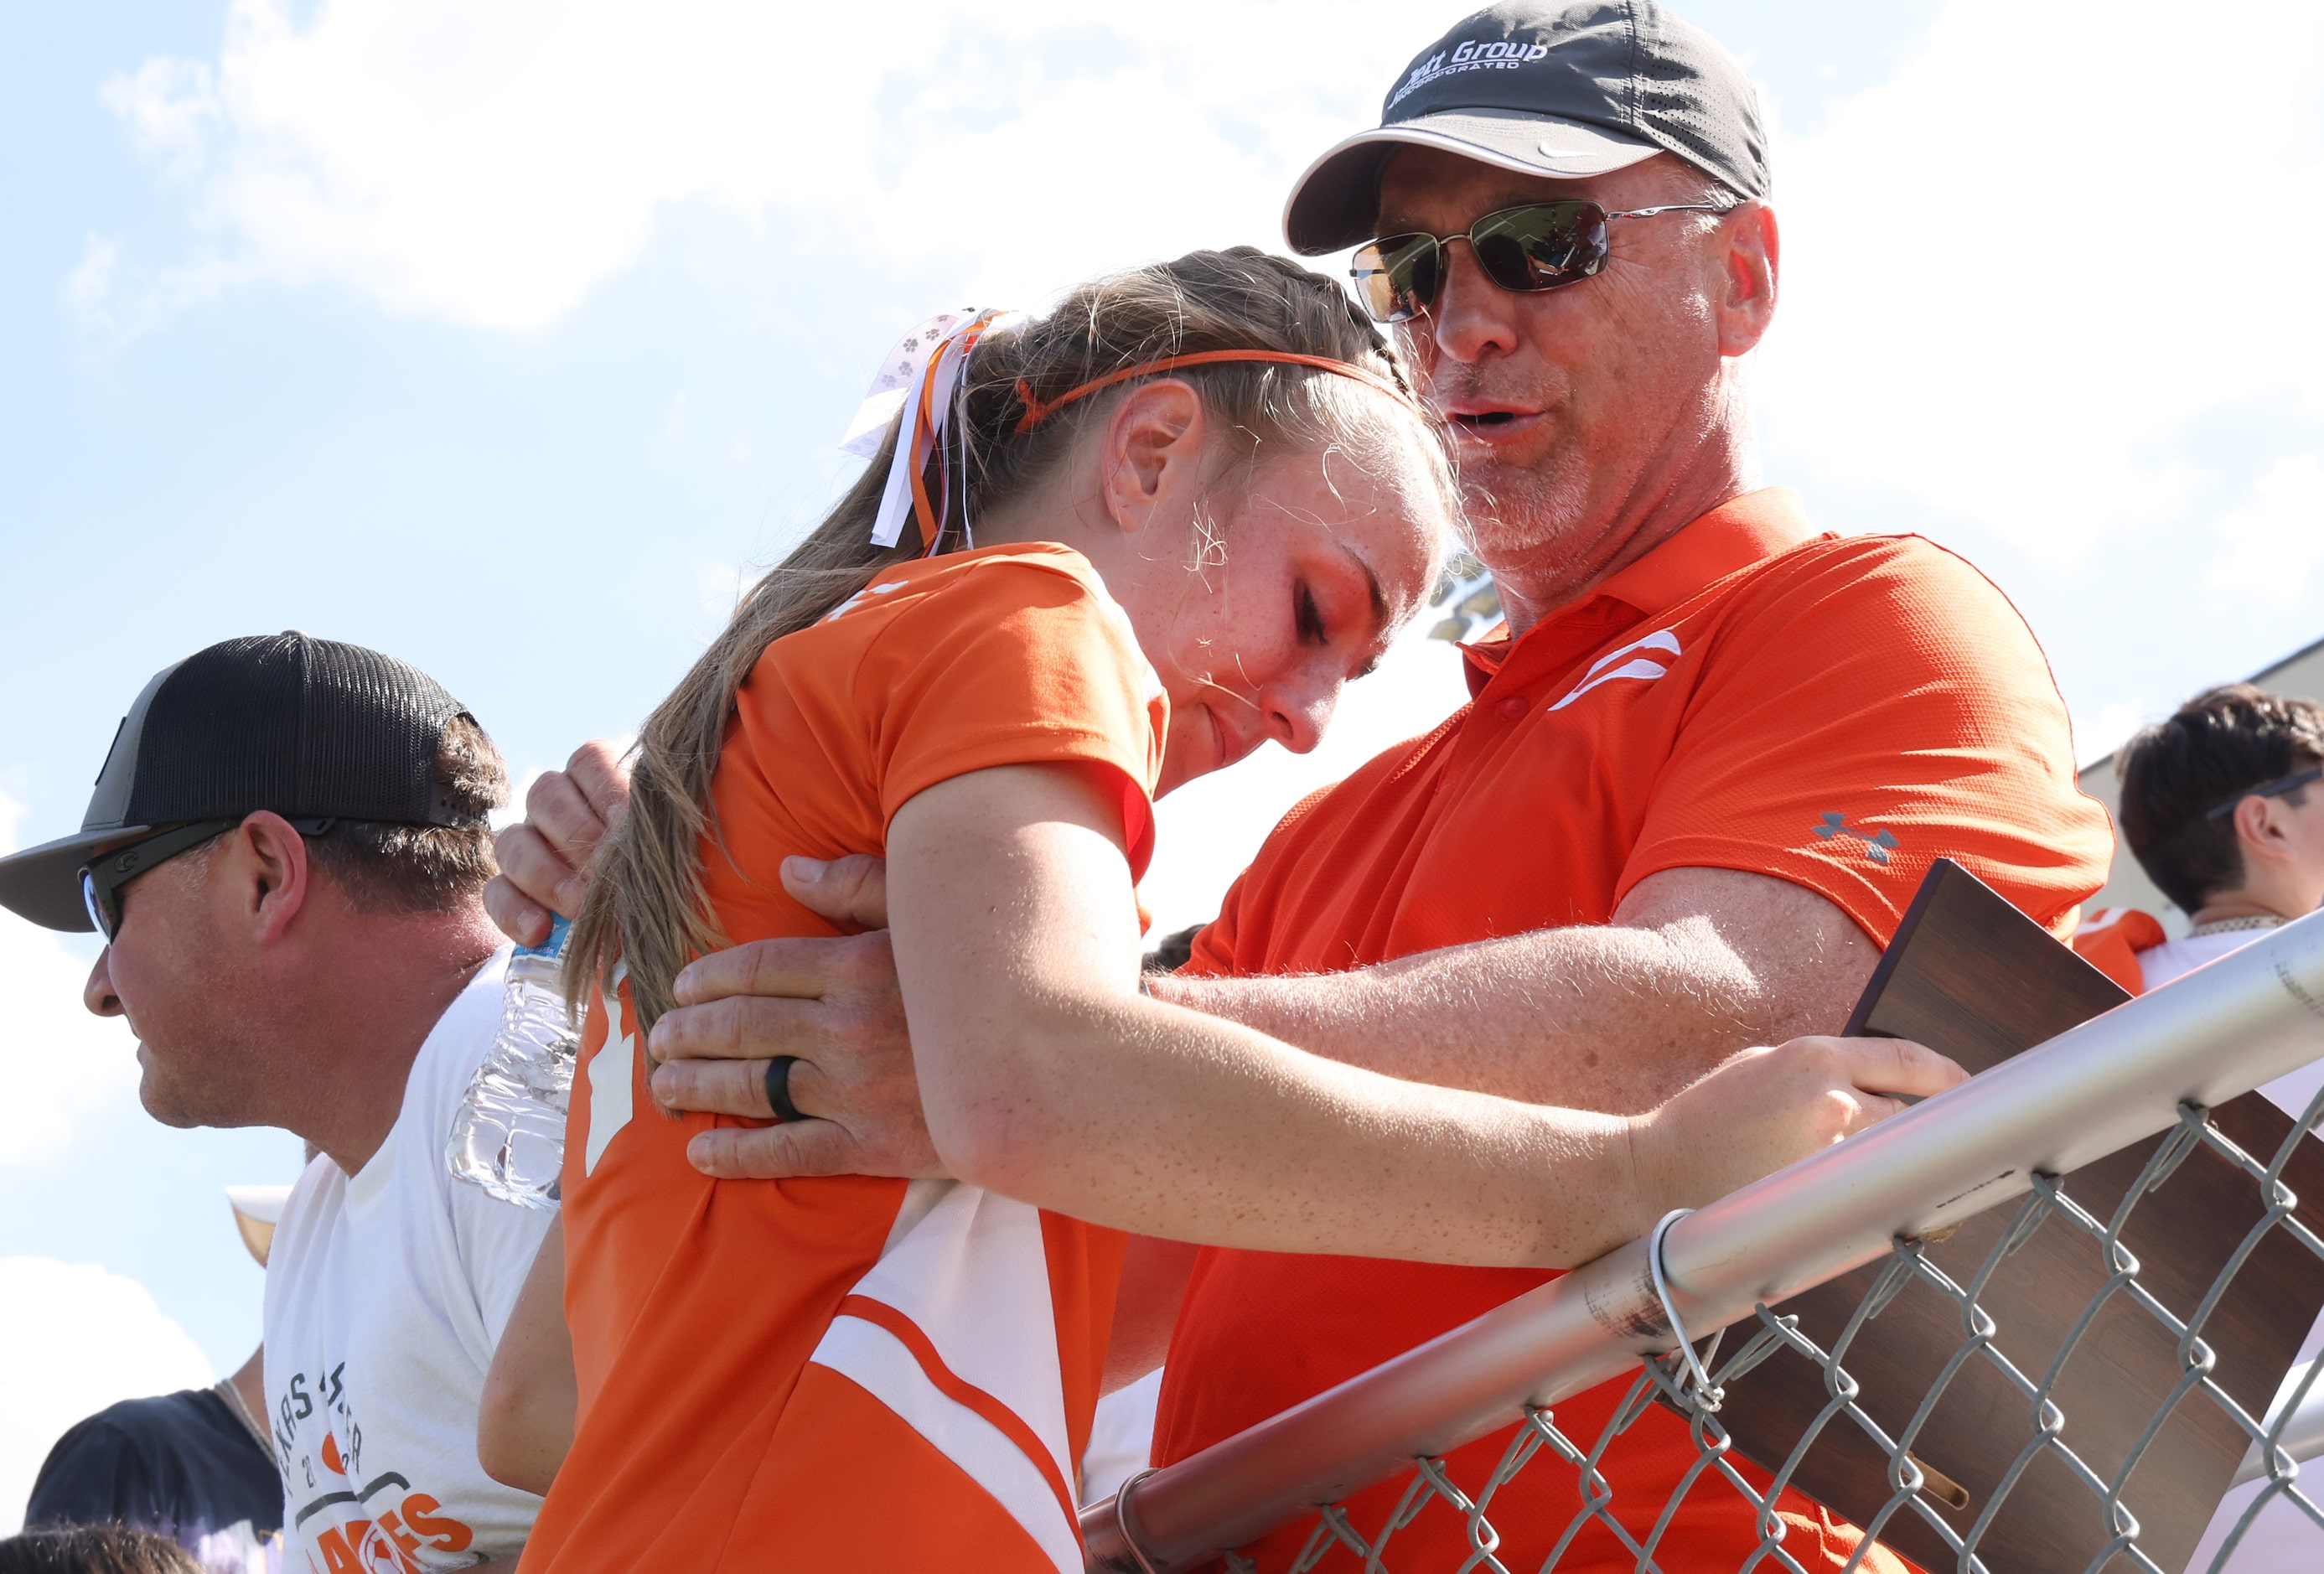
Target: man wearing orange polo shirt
{"x": 1705, "y": 766}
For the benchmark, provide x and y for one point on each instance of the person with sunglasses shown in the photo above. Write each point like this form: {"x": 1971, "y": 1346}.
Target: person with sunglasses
{"x": 1706, "y": 765}
{"x": 284, "y": 853}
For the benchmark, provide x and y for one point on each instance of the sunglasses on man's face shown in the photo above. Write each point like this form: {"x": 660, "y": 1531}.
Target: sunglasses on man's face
{"x": 1542, "y": 245}
{"x": 101, "y": 881}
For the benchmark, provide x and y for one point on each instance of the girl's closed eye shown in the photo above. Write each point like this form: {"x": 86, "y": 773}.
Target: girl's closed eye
{"x": 1309, "y": 617}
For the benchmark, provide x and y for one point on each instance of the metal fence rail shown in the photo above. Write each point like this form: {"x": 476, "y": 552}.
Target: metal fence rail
{"x": 2028, "y": 1130}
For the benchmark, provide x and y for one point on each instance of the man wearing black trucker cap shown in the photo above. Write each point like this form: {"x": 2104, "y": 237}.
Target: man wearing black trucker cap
{"x": 1705, "y": 767}
{"x": 284, "y": 852}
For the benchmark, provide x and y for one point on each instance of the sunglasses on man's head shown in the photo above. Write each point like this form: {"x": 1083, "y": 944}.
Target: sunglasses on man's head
{"x": 1542, "y": 245}
{"x": 102, "y": 880}
{"x": 2268, "y": 789}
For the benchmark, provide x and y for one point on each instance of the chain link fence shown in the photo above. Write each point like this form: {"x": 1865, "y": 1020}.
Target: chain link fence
{"x": 2068, "y": 1384}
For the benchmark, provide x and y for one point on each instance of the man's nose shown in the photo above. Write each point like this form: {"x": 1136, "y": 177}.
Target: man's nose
{"x": 98, "y": 993}
{"x": 1473, "y": 316}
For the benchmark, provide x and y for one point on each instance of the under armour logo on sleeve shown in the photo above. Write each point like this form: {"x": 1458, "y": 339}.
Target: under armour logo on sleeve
{"x": 1876, "y": 845}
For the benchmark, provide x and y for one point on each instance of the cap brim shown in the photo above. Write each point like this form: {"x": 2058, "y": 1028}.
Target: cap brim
{"x": 43, "y": 883}
{"x": 1333, "y": 205}
{"x": 257, "y": 1209}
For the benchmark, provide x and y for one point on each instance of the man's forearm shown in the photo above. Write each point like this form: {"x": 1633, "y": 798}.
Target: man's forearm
{"x": 1601, "y": 1018}
{"x": 1611, "y": 1017}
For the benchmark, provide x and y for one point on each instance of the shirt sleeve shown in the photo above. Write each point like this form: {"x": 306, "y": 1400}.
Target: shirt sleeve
{"x": 1878, "y": 707}
{"x": 497, "y": 1241}
{"x": 493, "y": 1241}
{"x": 93, "y": 1474}
{"x": 1014, "y": 663}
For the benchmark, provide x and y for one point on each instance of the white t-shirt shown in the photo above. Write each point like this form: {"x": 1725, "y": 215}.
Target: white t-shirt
{"x": 2158, "y": 965}
{"x": 385, "y": 1293}
{"x": 2162, "y": 963}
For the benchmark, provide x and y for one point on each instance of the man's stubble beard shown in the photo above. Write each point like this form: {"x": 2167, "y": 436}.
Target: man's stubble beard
{"x": 188, "y": 1098}
{"x": 162, "y": 1095}
{"x": 1525, "y": 522}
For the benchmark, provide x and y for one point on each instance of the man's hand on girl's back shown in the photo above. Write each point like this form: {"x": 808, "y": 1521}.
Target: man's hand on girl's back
{"x": 830, "y": 1004}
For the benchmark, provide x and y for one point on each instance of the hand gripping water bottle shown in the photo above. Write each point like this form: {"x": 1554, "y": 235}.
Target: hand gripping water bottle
{"x": 508, "y": 1135}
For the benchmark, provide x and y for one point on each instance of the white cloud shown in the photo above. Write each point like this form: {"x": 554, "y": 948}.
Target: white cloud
{"x": 2275, "y": 542}
{"x": 171, "y": 109}
{"x": 121, "y": 298}
{"x": 2016, "y": 278}
{"x": 2011, "y": 291}
{"x": 78, "y": 1338}
{"x": 491, "y": 164}
{"x": 57, "y": 1062}
{"x": 89, "y": 282}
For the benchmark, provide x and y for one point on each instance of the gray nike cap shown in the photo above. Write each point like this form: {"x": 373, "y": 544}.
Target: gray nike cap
{"x": 1560, "y": 91}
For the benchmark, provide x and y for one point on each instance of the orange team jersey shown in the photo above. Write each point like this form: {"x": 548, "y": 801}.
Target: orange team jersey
{"x": 848, "y": 1372}
{"x": 1834, "y": 711}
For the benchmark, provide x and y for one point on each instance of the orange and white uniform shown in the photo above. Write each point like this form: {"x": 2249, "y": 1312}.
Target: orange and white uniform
{"x": 846, "y": 1372}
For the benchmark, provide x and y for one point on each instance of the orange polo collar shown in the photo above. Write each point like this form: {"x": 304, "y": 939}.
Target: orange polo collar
{"x": 1732, "y": 537}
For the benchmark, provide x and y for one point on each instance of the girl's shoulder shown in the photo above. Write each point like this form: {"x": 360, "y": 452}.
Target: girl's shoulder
{"x": 1035, "y": 593}
{"x": 1026, "y": 607}
{"x": 1008, "y": 655}
{"x": 1039, "y": 572}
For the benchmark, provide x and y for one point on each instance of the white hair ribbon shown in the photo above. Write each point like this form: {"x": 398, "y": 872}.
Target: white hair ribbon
{"x": 916, "y": 382}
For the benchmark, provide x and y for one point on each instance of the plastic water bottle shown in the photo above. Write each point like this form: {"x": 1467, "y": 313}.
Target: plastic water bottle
{"x": 508, "y": 1135}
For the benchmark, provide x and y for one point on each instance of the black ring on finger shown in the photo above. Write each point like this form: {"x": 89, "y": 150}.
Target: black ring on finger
{"x": 778, "y": 1089}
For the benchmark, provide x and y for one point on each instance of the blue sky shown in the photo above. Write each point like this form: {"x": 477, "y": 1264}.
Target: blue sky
{"x": 503, "y": 338}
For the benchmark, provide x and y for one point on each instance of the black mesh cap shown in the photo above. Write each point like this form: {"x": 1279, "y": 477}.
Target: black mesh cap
{"x": 1560, "y": 91}
{"x": 302, "y": 726}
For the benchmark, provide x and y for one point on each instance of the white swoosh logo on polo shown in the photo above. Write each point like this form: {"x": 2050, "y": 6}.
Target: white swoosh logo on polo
{"x": 1644, "y": 667}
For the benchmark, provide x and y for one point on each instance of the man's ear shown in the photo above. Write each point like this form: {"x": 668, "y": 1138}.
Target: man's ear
{"x": 262, "y": 871}
{"x": 1751, "y": 262}
{"x": 1151, "y": 459}
{"x": 2259, "y": 833}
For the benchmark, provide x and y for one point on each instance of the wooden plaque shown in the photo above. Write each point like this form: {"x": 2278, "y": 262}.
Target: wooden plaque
{"x": 1971, "y": 976}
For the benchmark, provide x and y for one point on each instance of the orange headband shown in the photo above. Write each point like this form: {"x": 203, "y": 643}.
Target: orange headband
{"x": 1036, "y": 411}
